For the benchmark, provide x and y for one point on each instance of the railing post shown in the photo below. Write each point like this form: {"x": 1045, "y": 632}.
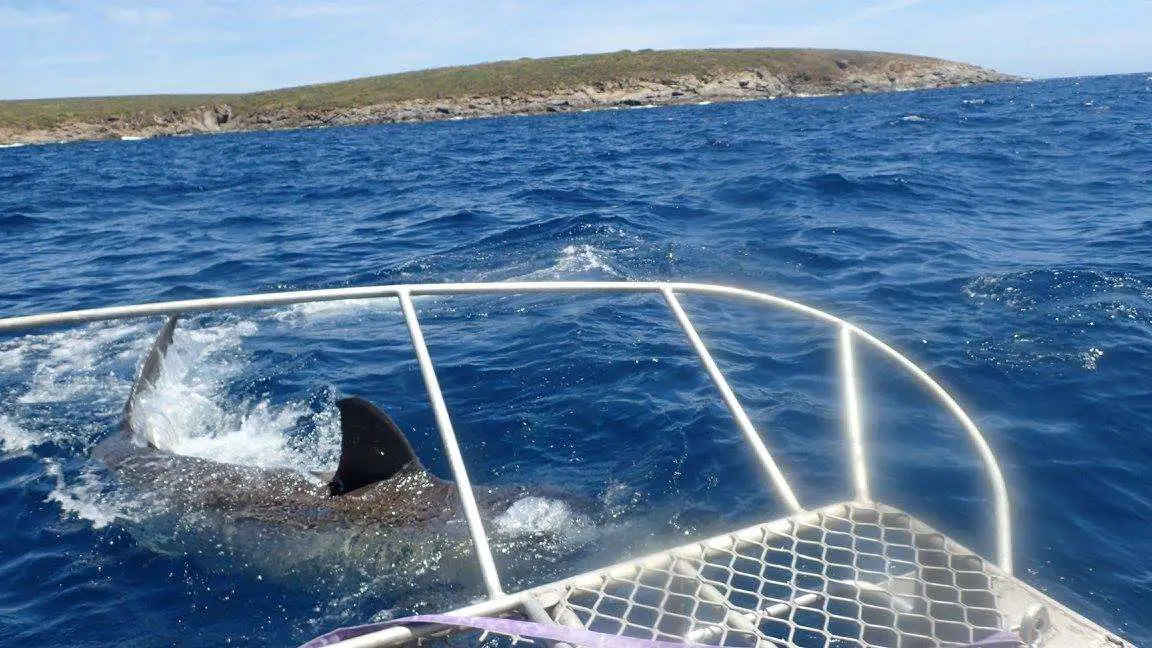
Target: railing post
{"x": 742, "y": 420}
{"x": 852, "y": 414}
{"x": 448, "y": 435}
{"x": 991, "y": 466}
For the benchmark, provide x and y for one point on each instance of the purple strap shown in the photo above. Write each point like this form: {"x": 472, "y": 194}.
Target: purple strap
{"x": 505, "y": 626}
{"x": 574, "y": 636}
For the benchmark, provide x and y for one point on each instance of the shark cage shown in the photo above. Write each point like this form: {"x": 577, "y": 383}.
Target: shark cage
{"x": 854, "y": 573}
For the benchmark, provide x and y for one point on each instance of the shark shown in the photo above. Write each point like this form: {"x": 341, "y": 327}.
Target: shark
{"x": 380, "y": 507}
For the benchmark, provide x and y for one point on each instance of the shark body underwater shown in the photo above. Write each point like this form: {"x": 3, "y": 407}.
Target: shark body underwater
{"x": 380, "y": 508}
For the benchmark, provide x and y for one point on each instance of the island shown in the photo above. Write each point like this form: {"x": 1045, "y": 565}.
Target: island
{"x": 524, "y": 86}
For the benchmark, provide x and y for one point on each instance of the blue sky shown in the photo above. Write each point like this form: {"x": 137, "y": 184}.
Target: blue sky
{"x": 53, "y": 49}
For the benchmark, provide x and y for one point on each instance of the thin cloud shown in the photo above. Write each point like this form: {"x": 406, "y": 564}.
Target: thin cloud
{"x": 305, "y": 10}
{"x": 139, "y": 16}
{"x": 79, "y": 58}
{"x": 21, "y": 19}
{"x": 878, "y": 9}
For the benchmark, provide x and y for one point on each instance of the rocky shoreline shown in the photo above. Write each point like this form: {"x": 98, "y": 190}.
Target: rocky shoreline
{"x": 850, "y": 77}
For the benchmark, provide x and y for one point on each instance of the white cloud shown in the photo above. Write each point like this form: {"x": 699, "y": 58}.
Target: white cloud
{"x": 139, "y": 16}
{"x": 22, "y": 19}
{"x": 309, "y": 10}
{"x": 78, "y": 58}
{"x": 877, "y": 9}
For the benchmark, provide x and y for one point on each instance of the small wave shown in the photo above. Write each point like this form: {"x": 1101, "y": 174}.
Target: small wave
{"x": 1072, "y": 301}
{"x": 578, "y": 260}
{"x": 991, "y": 288}
{"x": 837, "y": 184}
{"x": 832, "y": 183}
{"x": 913, "y": 118}
{"x": 1024, "y": 351}
{"x": 22, "y": 221}
{"x": 13, "y": 145}
{"x": 575, "y": 196}
{"x": 1059, "y": 289}
{"x": 973, "y": 102}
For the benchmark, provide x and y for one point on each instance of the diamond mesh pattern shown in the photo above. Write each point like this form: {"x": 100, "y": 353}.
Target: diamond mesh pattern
{"x": 849, "y": 575}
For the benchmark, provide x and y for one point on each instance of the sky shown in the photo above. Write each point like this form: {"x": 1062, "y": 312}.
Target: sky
{"x": 59, "y": 49}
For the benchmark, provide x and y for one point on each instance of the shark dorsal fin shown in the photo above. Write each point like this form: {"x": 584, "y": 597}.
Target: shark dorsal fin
{"x": 150, "y": 371}
{"x": 372, "y": 448}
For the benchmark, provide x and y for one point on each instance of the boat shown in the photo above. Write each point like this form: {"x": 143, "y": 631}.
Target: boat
{"x": 856, "y": 572}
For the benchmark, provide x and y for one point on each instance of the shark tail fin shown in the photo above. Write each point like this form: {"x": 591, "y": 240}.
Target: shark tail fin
{"x": 150, "y": 371}
{"x": 372, "y": 448}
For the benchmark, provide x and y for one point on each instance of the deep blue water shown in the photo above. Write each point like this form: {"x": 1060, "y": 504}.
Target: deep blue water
{"x": 1000, "y": 236}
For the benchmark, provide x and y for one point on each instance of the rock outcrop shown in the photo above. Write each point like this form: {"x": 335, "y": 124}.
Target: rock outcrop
{"x": 848, "y": 75}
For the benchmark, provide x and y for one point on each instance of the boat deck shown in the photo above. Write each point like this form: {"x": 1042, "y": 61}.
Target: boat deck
{"x": 848, "y": 575}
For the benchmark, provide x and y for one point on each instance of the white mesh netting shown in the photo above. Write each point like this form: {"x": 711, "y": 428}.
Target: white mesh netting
{"x": 849, "y": 575}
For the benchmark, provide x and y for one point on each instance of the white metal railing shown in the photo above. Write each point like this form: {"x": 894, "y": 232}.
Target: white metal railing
{"x": 742, "y": 420}
{"x": 847, "y": 332}
{"x": 852, "y": 414}
{"x": 455, "y": 458}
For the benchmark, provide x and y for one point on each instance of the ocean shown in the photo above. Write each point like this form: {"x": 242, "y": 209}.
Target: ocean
{"x": 999, "y": 236}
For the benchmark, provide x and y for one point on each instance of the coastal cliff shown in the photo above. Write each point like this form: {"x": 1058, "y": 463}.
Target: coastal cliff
{"x": 520, "y": 87}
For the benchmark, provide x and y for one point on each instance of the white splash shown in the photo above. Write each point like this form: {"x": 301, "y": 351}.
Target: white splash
{"x": 254, "y": 438}
{"x": 333, "y": 310}
{"x": 85, "y": 497}
{"x": 577, "y": 260}
{"x": 11, "y": 359}
{"x": 13, "y": 438}
{"x": 189, "y": 412}
{"x": 76, "y": 364}
{"x": 529, "y": 516}
{"x": 1090, "y": 359}
{"x": 194, "y": 372}
{"x": 912, "y": 118}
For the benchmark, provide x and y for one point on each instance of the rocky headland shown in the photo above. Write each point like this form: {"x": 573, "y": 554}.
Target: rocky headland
{"x": 522, "y": 87}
